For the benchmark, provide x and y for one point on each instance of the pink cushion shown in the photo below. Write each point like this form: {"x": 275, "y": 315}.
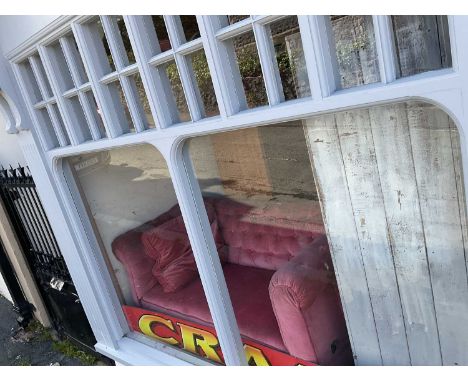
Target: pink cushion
{"x": 248, "y": 289}
{"x": 267, "y": 234}
{"x": 129, "y": 250}
{"x": 169, "y": 246}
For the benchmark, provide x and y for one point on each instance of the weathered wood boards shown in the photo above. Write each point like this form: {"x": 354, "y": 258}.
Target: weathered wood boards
{"x": 343, "y": 238}
{"x": 393, "y": 201}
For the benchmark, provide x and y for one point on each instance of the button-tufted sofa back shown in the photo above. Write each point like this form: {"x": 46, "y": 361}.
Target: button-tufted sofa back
{"x": 267, "y": 234}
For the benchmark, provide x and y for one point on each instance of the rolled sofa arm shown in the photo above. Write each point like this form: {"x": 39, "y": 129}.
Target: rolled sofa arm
{"x": 307, "y": 307}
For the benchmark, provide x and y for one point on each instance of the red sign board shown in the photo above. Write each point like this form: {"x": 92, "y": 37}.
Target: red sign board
{"x": 202, "y": 339}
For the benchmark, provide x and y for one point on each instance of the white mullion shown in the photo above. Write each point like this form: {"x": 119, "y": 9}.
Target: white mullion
{"x": 129, "y": 70}
{"x": 92, "y": 55}
{"x": 192, "y": 95}
{"x": 269, "y": 66}
{"x": 40, "y": 105}
{"x": 70, "y": 57}
{"x": 234, "y": 30}
{"x": 309, "y": 56}
{"x": 325, "y": 58}
{"x": 109, "y": 78}
{"x": 384, "y": 42}
{"x": 223, "y": 68}
{"x": 57, "y": 125}
{"x": 89, "y": 115}
{"x": 85, "y": 87}
{"x": 133, "y": 103}
{"x": 112, "y": 32}
{"x": 162, "y": 58}
{"x": 72, "y": 127}
{"x": 70, "y": 93}
{"x": 267, "y": 19}
{"x": 141, "y": 33}
{"x": 190, "y": 47}
{"x": 206, "y": 256}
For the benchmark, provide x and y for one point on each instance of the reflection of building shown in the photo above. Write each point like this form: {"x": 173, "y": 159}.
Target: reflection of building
{"x": 276, "y": 184}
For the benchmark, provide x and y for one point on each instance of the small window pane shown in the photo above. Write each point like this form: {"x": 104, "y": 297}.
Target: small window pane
{"x": 103, "y": 40}
{"x": 204, "y": 83}
{"x": 290, "y": 58}
{"x": 47, "y": 129}
{"x": 117, "y": 91}
{"x": 250, "y": 69}
{"x": 43, "y": 75}
{"x": 132, "y": 208}
{"x": 79, "y": 118}
{"x": 355, "y": 50}
{"x": 76, "y": 57}
{"x": 61, "y": 125}
{"x": 61, "y": 68}
{"x": 177, "y": 90}
{"x": 190, "y": 27}
{"x": 236, "y": 18}
{"x": 145, "y": 110}
{"x": 130, "y": 56}
{"x": 161, "y": 33}
{"x": 96, "y": 113}
{"x": 422, "y": 43}
{"x": 30, "y": 82}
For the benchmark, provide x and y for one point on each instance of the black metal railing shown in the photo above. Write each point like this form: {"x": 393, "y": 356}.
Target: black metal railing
{"x": 19, "y": 194}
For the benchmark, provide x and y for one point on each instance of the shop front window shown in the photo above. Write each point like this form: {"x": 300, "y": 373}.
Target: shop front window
{"x": 379, "y": 190}
{"x": 131, "y": 203}
{"x": 278, "y": 269}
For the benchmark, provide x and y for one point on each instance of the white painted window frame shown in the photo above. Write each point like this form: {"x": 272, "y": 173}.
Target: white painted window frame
{"x": 81, "y": 251}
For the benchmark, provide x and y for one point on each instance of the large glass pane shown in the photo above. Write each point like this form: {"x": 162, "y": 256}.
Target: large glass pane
{"x": 278, "y": 270}
{"x": 422, "y": 43}
{"x": 386, "y": 200}
{"x": 130, "y": 201}
{"x": 355, "y": 50}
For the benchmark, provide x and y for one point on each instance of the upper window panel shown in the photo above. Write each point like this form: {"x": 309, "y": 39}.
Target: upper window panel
{"x": 355, "y": 50}
{"x": 422, "y": 44}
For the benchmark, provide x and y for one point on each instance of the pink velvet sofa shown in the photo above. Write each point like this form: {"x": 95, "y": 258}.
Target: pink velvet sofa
{"x": 278, "y": 271}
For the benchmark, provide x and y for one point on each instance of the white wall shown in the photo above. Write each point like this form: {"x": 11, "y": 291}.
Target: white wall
{"x": 10, "y": 151}
{"x": 4, "y": 290}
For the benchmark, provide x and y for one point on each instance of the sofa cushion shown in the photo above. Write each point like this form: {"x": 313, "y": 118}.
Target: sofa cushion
{"x": 267, "y": 234}
{"x": 169, "y": 246}
{"x": 129, "y": 250}
{"x": 248, "y": 289}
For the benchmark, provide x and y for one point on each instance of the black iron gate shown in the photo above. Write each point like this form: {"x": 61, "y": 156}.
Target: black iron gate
{"x": 22, "y": 203}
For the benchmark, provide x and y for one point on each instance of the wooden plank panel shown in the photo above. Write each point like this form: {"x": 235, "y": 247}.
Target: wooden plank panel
{"x": 393, "y": 153}
{"x": 362, "y": 174}
{"x": 435, "y": 174}
{"x": 457, "y": 161}
{"x": 344, "y": 242}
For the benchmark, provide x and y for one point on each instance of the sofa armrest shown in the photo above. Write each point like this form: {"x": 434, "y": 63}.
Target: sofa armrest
{"x": 307, "y": 306}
